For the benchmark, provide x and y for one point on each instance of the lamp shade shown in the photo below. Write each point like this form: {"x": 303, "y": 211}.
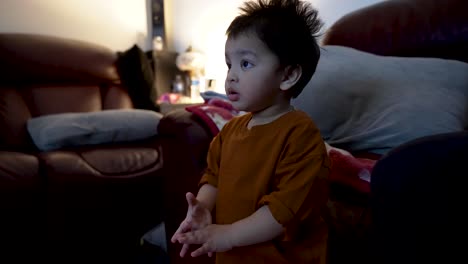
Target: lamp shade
{"x": 190, "y": 60}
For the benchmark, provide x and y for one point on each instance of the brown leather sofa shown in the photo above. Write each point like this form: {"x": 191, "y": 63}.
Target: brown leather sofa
{"x": 80, "y": 204}
{"x": 427, "y": 28}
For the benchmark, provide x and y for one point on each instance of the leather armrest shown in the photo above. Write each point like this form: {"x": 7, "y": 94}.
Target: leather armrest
{"x": 417, "y": 193}
{"x": 185, "y": 141}
{"x": 187, "y": 131}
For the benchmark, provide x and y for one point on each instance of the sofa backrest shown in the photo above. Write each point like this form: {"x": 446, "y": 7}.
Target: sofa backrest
{"x": 42, "y": 75}
{"x": 407, "y": 28}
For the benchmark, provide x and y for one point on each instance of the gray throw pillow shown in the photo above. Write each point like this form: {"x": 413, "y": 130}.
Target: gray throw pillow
{"x": 57, "y": 131}
{"x": 365, "y": 102}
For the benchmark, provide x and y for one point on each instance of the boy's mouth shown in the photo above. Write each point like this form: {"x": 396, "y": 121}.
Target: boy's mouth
{"x": 232, "y": 95}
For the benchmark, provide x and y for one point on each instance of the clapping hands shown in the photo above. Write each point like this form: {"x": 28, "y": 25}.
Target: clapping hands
{"x": 197, "y": 229}
{"x": 197, "y": 217}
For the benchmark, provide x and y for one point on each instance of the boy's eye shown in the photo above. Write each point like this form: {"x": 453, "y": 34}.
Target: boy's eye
{"x": 245, "y": 64}
{"x": 228, "y": 65}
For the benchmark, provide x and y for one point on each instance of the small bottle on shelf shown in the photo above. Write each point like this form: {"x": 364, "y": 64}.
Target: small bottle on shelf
{"x": 197, "y": 86}
{"x": 178, "y": 85}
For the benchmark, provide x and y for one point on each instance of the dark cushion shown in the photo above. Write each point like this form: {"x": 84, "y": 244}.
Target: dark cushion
{"x": 137, "y": 75}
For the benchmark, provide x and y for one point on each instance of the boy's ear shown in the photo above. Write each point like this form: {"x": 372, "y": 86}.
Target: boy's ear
{"x": 291, "y": 77}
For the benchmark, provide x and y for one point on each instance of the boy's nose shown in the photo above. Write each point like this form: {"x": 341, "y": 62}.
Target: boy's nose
{"x": 231, "y": 76}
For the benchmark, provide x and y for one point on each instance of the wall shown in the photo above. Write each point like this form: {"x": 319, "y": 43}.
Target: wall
{"x": 202, "y": 24}
{"x": 117, "y": 24}
{"x": 195, "y": 22}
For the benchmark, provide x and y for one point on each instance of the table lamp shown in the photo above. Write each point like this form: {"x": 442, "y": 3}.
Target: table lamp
{"x": 193, "y": 62}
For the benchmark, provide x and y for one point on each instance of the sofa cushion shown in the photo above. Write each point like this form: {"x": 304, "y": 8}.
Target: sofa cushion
{"x": 405, "y": 28}
{"x": 366, "y": 102}
{"x": 56, "y": 131}
{"x": 89, "y": 164}
{"x": 19, "y": 173}
{"x": 51, "y": 99}
{"x": 42, "y": 59}
{"x": 14, "y": 113}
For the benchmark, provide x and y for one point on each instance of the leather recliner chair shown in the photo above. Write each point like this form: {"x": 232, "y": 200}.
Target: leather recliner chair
{"x": 83, "y": 203}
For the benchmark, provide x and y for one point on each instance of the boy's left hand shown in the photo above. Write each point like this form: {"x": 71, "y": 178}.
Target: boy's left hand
{"x": 213, "y": 238}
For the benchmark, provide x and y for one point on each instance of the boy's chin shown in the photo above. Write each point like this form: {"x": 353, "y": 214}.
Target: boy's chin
{"x": 238, "y": 106}
{"x": 245, "y": 107}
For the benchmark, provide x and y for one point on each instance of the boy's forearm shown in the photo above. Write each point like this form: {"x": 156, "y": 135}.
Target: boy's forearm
{"x": 261, "y": 226}
{"x": 207, "y": 196}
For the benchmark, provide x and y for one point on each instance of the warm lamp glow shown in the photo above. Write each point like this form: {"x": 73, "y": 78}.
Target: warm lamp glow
{"x": 191, "y": 61}
{"x": 216, "y": 68}
{"x": 205, "y": 31}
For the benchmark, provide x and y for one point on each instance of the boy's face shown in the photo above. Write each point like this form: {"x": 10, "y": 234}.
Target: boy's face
{"x": 254, "y": 74}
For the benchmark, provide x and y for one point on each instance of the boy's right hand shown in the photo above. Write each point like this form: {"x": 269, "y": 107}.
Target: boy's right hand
{"x": 198, "y": 216}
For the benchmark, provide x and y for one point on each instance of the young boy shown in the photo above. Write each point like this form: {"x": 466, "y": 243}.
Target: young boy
{"x": 267, "y": 170}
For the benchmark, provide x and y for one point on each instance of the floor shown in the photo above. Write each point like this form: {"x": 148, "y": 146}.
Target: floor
{"x": 154, "y": 247}
{"x": 151, "y": 254}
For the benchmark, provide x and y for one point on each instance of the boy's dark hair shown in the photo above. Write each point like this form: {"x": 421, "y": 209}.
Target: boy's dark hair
{"x": 288, "y": 27}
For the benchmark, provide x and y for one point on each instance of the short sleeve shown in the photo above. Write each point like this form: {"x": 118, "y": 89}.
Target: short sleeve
{"x": 300, "y": 183}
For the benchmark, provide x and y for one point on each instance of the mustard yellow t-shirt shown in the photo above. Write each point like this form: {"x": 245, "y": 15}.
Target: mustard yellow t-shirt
{"x": 283, "y": 164}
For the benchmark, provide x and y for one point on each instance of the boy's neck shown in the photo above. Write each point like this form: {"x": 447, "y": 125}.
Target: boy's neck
{"x": 269, "y": 114}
